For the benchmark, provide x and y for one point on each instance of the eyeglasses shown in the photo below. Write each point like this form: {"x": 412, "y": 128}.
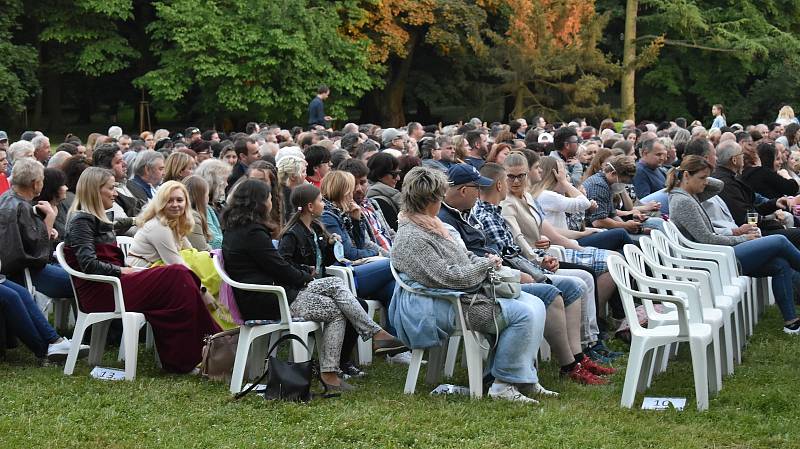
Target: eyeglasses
{"x": 514, "y": 178}
{"x": 395, "y": 173}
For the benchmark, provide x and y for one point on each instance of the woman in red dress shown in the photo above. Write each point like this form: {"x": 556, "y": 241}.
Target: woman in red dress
{"x": 169, "y": 296}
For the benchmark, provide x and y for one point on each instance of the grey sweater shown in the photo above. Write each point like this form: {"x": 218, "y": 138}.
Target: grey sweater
{"x": 435, "y": 261}
{"x": 692, "y": 220}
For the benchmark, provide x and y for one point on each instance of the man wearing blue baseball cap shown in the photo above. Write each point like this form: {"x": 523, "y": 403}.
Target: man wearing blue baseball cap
{"x": 465, "y": 182}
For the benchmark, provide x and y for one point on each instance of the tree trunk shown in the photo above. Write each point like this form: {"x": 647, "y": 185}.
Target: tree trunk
{"x": 391, "y": 109}
{"x": 628, "y": 105}
{"x": 519, "y": 104}
{"x": 52, "y": 99}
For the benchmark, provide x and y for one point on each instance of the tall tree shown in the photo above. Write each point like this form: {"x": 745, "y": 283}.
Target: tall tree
{"x": 549, "y": 61}
{"x": 398, "y": 29}
{"x": 264, "y": 59}
{"x": 18, "y": 78}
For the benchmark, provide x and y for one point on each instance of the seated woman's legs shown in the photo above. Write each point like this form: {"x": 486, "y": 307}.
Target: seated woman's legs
{"x": 611, "y": 239}
{"x": 328, "y": 300}
{"x": 374, "y": 280}
{"x": 52, "y": 281}
{"x": 518, "y": 342}
{"x": 589, "y": 328}
{"x": 349, "y": 342}
{"x": 555, "y": 331}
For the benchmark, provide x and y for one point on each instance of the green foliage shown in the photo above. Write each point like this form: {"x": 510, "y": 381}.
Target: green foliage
{"x": 734, "y": 52}
{"x": 263, "y": 58}
{"x": 85, "y": 35}
{"x": 18, "y": 76}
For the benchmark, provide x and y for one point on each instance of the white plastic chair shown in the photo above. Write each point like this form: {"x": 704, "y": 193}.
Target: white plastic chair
{"x": 704, "y": 348}
{"x": 641, "y": 261}
{"x": 364, "y": 348}
{"x": 124, "y": 243}
{"x": 670, "y": 267}
{"x": 735, "y": 284}
{"x": 472, "y": 350}
{"x": 730, "y": 299}
{"x": 248, "y": 335}
{"x": 131, "y": 323}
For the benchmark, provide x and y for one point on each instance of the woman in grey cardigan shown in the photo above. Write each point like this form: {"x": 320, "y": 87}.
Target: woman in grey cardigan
{"x": 425, "y": 252}
{"x": 773, "y": 255}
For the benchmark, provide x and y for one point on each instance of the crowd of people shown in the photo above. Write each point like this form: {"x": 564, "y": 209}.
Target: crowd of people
{"x": 443, "y": 205}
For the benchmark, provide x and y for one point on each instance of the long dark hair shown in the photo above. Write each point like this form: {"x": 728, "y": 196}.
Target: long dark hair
{"x": 301, "y": 196}
{"x": 248, "y": 206}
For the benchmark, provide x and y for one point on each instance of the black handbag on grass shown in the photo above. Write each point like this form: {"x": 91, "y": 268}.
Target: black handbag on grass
{"x": 288, "y": 381}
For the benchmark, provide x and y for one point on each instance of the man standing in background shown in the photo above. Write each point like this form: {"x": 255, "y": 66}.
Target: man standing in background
{"x": 316, "y": 109}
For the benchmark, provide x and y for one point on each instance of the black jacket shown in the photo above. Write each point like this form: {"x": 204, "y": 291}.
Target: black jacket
{"x": 471, "y": 232}
{"x": 768, "y": 183}
{"x": 250, "y": 257}
{"x": 84, "y": 230}
{"x": 297, "y": 246}
{"x": 739, "y": 197}
{"x": 238, "y": 171}
{"x": 24, "y": 242}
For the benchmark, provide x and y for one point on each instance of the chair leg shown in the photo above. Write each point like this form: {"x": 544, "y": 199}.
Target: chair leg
{"x": 632, "y": 373}
{"x": 130, "y": 339}
{"x": 726, "y": 338}
{"x": 701, "y": 373}
{"x": 452, "y": 355}
{"x": 98, "y": 342}
{"x": 544, "y": 351}
{"x": 646, "y": 372}
{"x": 77, "y": 338}
{"x": 413, "y": 371}
{"x": 256, "y": 357}
{"x": 474, "y": 365}
{"x": 240, "y": 363}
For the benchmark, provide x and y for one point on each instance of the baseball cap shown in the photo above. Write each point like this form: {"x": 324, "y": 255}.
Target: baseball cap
{"x": 389, "y": 134}
{"x": 545, "y": 138}
{"x": 460, "y": 174}
{"x": 3, "y": 135}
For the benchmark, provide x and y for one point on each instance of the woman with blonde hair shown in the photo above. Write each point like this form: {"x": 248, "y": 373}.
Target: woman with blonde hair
{"x": 291, "y": 173}
{"x": 178, "y": 166}
{"x": 342, "y": 216}
{"x": 169, "y": 296}
{"x": 201, "y": 237}
{"x": 786, "y": 116}
{"x": 459, "y": 148}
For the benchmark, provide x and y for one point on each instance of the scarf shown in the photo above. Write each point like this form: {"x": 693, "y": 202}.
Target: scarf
{"x": 426, "y": 222}
{"x": 347, "y": 222}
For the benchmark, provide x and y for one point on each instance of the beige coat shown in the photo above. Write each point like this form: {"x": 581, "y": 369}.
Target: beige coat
{"x": 524, "y": 223}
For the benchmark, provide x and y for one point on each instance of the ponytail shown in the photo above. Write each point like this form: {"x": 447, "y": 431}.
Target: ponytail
{"x": 674, "y": 176}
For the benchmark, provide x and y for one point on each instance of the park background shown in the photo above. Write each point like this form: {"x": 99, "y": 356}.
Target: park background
{"x": 81, "y": 65}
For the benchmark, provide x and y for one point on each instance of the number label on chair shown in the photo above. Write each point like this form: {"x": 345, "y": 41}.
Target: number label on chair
{"x": 663, "y": 403}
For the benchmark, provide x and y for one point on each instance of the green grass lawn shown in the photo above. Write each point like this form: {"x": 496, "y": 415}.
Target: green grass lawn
{"x": 41, "y": 408}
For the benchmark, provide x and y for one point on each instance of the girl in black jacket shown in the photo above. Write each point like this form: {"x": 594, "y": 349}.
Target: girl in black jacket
{"x": 307, "y": 245}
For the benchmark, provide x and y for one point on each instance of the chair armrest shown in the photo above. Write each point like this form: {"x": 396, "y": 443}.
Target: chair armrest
{"x": 688, "y": 288}
{"x": 680, "y": 305}
{"x": 556, "y": 251}
{"x": 343, "y": 273}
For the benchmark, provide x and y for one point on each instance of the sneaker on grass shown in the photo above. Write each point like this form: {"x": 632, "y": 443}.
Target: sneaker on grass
{"x": 404, "y": 358}
{"x": 792, "y": 329}
{"x": 57, "y": 352}
{"x": 508, "y": 392}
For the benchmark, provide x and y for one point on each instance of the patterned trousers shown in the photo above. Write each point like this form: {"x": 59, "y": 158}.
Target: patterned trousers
{"x": 329, "y": 301}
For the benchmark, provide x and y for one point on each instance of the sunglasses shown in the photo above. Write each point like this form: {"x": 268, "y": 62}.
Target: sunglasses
{"x": 395, "y": 173}
{"x": 514, "y": 178}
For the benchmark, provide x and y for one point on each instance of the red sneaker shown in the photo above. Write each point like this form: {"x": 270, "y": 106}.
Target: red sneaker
{"x": 595, "y": 368}
{"x": 583, "y": 376}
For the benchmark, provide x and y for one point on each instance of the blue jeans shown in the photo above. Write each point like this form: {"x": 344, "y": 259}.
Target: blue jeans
{"x": 773, "y": 255}
{"x": 519, "y": 339}
{"x": 545, "y": 292}
{"x": 611, "y": 239}
{"x": 24, "y": 319}
{"x": 374, "y": 280}
{"x": 52, "y": 281}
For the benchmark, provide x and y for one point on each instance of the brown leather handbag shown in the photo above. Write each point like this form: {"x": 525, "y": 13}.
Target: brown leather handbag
{"x": 219, "y": 353}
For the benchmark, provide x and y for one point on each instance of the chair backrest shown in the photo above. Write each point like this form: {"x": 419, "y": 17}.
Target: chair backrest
{"x": 119, "y": 304}
{"x": 666, "y": 247}
{"x": 636, "y": 261}
{"x": 277, "y": 290}
{"x": 621, "y": 273}
{"x": 124, "y": 243}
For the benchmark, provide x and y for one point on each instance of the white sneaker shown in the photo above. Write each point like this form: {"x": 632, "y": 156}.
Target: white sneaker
{"x": 404, "y": 358}
{"x": 58, "y": 351}
{"x": 542, "y": 391}
{"x": 509, "y": 392}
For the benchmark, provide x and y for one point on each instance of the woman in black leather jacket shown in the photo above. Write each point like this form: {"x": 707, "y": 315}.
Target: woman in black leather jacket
{"x": 169, "y": 296}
